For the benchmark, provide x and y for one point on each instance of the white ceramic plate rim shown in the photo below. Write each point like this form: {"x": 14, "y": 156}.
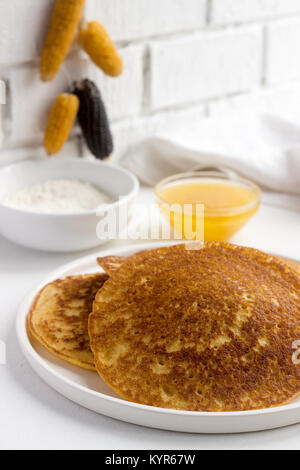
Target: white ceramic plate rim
{"x": 31, "y": 354}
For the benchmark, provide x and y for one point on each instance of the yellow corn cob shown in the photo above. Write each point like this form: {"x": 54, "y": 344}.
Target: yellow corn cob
{"x": 98, "y": 45}
{"x": 62, "y": 30}
{"x": 60, "y": 122}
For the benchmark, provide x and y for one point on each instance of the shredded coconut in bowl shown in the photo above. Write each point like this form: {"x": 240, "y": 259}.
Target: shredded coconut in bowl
{"x": 58, "y": 197}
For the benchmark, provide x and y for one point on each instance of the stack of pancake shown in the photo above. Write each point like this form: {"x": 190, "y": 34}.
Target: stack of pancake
{"x": 206, "y": 327}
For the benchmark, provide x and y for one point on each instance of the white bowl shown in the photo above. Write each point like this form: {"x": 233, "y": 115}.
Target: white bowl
{"x": 62, "y": 233}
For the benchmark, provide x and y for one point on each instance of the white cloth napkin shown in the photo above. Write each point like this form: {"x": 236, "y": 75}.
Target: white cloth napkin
{"x": 265, "y": 149}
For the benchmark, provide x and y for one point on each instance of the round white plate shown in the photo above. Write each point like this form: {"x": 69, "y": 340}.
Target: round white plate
{"x": 88, "y": 389}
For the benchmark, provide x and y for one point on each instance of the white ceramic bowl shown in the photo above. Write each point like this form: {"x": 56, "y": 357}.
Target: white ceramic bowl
{"x": 62, "y": 233}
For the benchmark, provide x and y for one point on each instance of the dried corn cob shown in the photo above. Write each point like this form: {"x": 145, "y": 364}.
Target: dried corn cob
{"x": 60, "y": 122}
{"x": 62, "y": 30}
{"x": 93, "y": 119}
{"x": 98, "y": 45}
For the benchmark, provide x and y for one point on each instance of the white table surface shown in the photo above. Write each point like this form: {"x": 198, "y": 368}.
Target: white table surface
{"x": 33, "y": 416}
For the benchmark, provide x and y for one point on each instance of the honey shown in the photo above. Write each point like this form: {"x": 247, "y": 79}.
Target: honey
{"x": 226, "y": 206}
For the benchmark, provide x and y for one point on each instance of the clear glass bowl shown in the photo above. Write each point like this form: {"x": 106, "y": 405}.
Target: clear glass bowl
{"x": 218, "y": 223}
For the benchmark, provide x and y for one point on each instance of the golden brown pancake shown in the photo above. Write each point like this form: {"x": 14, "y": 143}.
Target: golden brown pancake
{"x": 59, "y": 317}
{"x": 110, "y": 264}
{"x": 293, "y": 264}
{"x": 203, "y": 330}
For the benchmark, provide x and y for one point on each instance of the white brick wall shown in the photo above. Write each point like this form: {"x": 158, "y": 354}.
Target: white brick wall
{"x": 130, "y": 132}
{"x": 283, "y": 39}
{"x": 189, "y": 69}
{"x": 137, "y": 19}
{"x": 31, "y": 99}
{"x": 232, "y": 11}
{"x": 22, "y": 24}
{"x": 123, "y": 95}
{"x": 283, "y": 101}
{"x": 184, "y": 60}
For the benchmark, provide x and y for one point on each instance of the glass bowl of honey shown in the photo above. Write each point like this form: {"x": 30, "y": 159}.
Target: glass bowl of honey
{"x": 207, "y": 205}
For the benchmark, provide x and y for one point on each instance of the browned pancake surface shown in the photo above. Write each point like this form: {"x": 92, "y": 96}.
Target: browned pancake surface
{"x": 110, "y": 264}
{"x": 209, "y": 329}
{"x": 293, "y": 264}
{"x": 59, "y": 317}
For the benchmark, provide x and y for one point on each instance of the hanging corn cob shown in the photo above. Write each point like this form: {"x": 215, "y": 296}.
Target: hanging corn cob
{"x": 93, "y": 119}
{"x": 60, "y": 122}
{"x": 97, "y": 44}
{"x": 62, "y": 30}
